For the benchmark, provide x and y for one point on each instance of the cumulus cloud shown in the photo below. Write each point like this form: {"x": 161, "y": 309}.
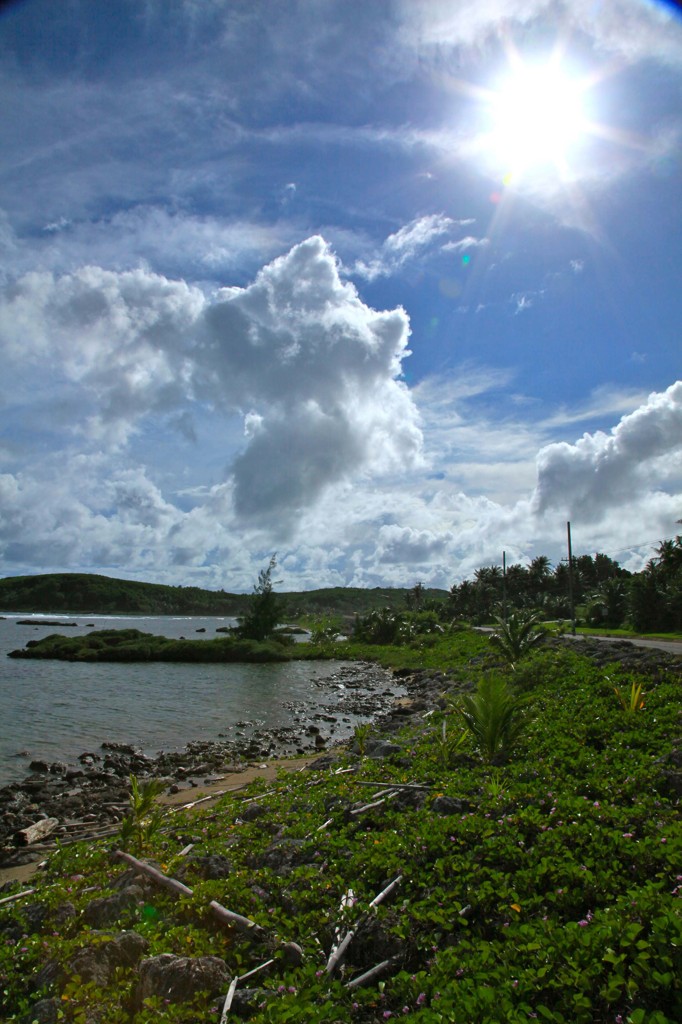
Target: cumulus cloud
{"x": 601, "y": 471}
{"x": 313, "y": 371}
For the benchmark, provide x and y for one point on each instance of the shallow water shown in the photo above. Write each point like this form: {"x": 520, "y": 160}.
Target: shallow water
{"x": 55, "y": 710}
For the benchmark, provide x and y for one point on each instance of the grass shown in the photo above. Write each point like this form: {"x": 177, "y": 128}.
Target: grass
{"x": 547, "y": 888}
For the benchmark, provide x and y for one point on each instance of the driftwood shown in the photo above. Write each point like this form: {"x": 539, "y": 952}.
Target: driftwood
{"x": 371, "y": 974}
{"x": 242, "y": 924}
{"x": 34, "y": 833}
{"x": 229, "y": 917}
{"x": 201, "y": 800}
{"x": 233, "y": 988}
{"x": 338, "y": 952}
{"x": 154, "y": 873}
{"x": 390, "y": 794}
{"x": 16, "y": 896}
{"x": 393, "y": 785}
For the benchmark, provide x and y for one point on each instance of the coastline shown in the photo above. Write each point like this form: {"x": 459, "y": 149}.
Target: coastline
{"x": 89, "y": 798}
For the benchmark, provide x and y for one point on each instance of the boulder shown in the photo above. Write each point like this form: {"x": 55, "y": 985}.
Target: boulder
{"x": 179, "y": 978}
{"x": 98, "y": 963}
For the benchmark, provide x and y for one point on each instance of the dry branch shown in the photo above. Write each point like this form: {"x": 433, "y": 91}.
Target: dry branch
{"x": 243, "y": 924}
{"x": 154, "y": 873}
{"x": 17, "y": 896}
{"x": 374, "y": 972}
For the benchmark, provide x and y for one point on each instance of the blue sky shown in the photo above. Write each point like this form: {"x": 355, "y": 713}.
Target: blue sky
{"x": 387, "y": 288}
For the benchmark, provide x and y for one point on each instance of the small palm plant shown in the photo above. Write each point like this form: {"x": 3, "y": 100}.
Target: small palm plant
{"x": 633, "y": 701}
{"x": 448, "y": 744}
{"x": 494, "y": 717}
{"x": 145, "y": 817}
{"x": 516, "y": 636}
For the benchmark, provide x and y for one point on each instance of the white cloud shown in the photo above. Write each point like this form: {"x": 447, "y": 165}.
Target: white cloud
{"x": 602, "y": 472}
{"x": 635, "y": 30}
{"x": 315, "y": 370}
{"x": 405, "y": 244}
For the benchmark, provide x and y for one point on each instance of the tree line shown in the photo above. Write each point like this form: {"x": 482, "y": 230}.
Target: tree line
{"x": 605, "y": 593}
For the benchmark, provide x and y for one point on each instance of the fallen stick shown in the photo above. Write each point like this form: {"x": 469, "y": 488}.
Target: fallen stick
{"x": 228, "y": 1000}
{"x": 201, "y": 800}
{"x": 393, "y": 785}
{"x": 16, "y": 896}
{"x": 338, "y": 952}
{"x": 243, "y": 924}
{"x": 390, "y": 794}
{"x": 374, "y": 972}
{"x": 233, "y": 988}
{"x": 386, "y": 892}
{"x": 156, "y": 875}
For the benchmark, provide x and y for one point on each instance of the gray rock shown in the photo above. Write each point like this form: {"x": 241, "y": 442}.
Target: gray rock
{"x": 449, "y": 805}
{"x": 45, "y": 1011}
{"x": 377, "y": 749}
{"x": 179, "y": 978}
{"x": 99, "y": 962}
{"x": 106, "y": 910}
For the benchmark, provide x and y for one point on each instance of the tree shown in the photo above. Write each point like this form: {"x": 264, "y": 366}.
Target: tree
{"x": 494, "y": 717}
{"x": 517, "y": 636}
{"x": 263, "y": 612}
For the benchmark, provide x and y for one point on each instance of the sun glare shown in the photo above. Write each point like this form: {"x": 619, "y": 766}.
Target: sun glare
{"x": 537, "y": 116}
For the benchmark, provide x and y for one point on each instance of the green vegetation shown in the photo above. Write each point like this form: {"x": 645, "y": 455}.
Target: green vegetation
{"x": 85, "y": 593}
{"x": 517, "y": 636}
{"x": 494, "y": 717}
{"x": 547, "y": 888}
{"x": 143, "y": 822}
{"x": 264, "y": 611}
{"x": 133, "y": 645}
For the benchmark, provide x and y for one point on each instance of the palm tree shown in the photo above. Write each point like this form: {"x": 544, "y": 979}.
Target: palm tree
{"x": 493, "y": 716}
{"x": 517, "y": 636}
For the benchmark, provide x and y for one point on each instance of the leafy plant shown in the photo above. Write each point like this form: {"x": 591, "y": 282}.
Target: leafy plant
{"x": 361, "y": 734}
{"x": 144, "y": 820}
{"x": 517, "y": 636}
{"x": 494, "y": 717}
{"x": 448, "y": 744}
{"x": 632, "y": 702}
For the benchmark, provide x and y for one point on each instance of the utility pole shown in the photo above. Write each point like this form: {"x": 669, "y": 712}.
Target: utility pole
{"x": 504, "y": 586}
{"x": 570, "y": 578}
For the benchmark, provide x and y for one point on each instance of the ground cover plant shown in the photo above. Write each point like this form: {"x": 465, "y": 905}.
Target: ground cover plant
{"x": 546, "y": 887}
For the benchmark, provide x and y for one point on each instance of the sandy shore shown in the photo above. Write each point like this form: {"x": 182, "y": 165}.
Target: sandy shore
{"x": 229, "y": 782}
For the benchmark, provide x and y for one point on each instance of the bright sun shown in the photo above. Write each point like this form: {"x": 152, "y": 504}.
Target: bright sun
{"x": 537, "y": 115}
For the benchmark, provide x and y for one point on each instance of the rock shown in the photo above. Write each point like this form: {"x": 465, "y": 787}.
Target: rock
{"x": 382, "y": 748}
{"x": 38, "y": 766}
{"x": 179, "y": 978}
{"x": 45, "y": 1011}
{"x": 98, "y": 963}
{"x": 446, "y": 805}
{"x": 252, "y": 811}
{"x": 210, "y": 867}
{"x": 105, "y": 911}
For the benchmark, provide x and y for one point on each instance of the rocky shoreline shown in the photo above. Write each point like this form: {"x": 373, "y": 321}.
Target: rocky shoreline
{"x": 88, "y": 799}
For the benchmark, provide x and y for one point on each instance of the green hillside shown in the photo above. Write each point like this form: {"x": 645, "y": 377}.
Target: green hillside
{"x": 86, "y": 593}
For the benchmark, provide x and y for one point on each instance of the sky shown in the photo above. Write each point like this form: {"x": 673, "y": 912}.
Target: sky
{"x": 387, "y": 289}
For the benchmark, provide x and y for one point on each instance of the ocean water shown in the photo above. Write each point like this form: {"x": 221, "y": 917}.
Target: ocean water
{"x": 55, "y": 710}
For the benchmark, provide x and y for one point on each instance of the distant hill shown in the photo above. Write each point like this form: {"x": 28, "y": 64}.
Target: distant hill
{"x": 85, "y": 593}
